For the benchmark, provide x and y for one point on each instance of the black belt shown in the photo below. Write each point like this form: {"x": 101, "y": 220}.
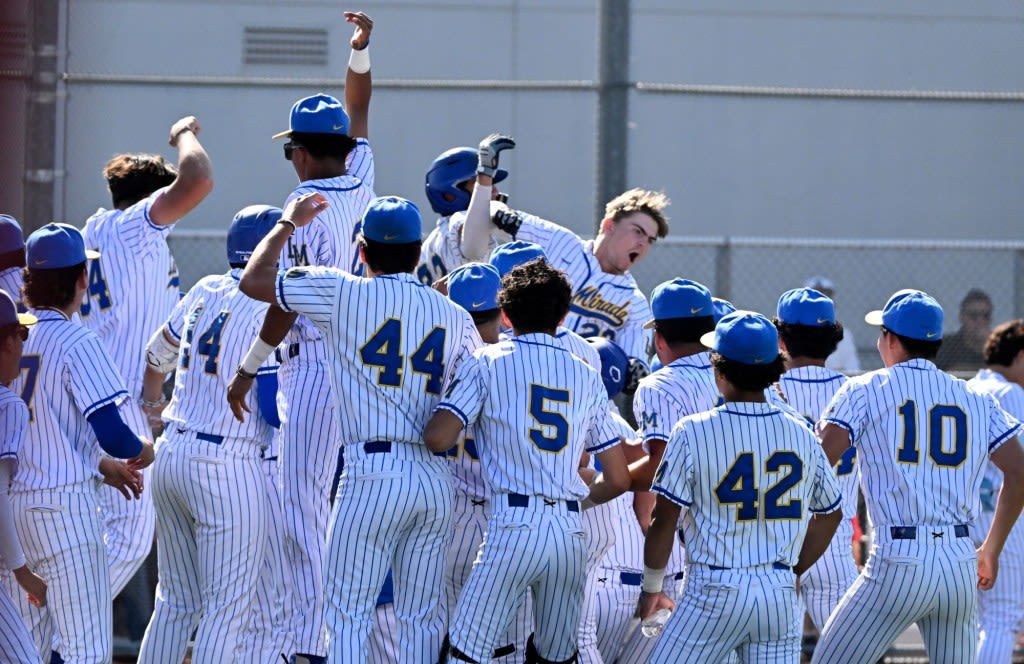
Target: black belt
{"x": 519, "y": 500}
{"x": 208, "y": 437}
{"x": 637, "y": 579}
{"x": 290, "y": 351}
{"x": 910, "y": 532}
{"x": 775, "y": 565}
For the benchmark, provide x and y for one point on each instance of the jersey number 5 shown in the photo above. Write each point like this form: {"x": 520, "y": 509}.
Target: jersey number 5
{"x": 384, "y": 351}
{"x": 739, "y": 487}
{"x": 549, "y": 421}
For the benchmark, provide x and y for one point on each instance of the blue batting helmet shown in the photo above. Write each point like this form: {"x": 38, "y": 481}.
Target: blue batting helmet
{"x": 449, "y": 169}
{"x": 614, "y": 364}
{"x": 248, "y": 227}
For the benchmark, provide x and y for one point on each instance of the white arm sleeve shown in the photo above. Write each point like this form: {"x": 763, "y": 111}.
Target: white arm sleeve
{"x": 10, "y": 546}
{"x": 161, "y": 353}
{"x": 477, "y": 229}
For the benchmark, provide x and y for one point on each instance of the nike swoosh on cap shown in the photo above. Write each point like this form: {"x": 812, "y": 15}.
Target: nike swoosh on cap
{"x": 822, "y": 321}
{"x": 388, "y": 238}
{"x": 337, "y": 127}
{"x": 697, "y": 310}
{"x": 479, "y": 304}
{"x": 42, "y": 261}
{"x": 930, "y": 334}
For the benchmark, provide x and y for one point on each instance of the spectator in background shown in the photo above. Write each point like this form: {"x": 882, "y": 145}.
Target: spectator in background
{"x": 961, "y": 350}
{"x": 845, "y": 358}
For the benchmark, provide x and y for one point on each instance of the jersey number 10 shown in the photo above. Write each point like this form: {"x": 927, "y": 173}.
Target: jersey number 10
{"x": 908, "y": 452}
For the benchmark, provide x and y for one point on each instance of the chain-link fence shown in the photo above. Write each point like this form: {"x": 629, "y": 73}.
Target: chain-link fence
{"x": 753, "y": 272}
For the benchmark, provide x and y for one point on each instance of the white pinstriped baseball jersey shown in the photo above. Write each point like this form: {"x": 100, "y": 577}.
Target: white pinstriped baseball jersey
{"x": 133, "y": 285}
{"x": 62, "y": 361}
{"x": 11, "y": 281}
{"x": 214, "y": 324}
{"x": 422, "y": 338}
{"x": 13, "y": 424}
{"x": 922, "y": 440}
{"x": 567, "y": 404}
{"x": 684, "y": 387}
{"x": 331, "y": 239}
{"x": 748, "y": 476}
{"x": 1011, "y": 399}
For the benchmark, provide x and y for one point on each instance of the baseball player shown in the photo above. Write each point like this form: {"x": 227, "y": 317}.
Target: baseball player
{"x": 208, "y": 482}
{"x": 922, "y": 439}
{"x": 12, "y": 257}
{"x": 808, "y": 333}
{"x": 392, "y": 343}
{"x": 15, "y": 641}
{"x": 522, "y": 395}
{"x": 132, "y": 289}
{"x": 73, "y": 392}
{"x": 1000, "y": 608}
{"x": 749, "y": 476}
{"x": 328, "y": 149}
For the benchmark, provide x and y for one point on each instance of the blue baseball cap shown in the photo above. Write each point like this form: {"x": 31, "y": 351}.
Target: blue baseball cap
{"x": 506, "y": 256}
{"x": 722, "y": 308}
{"x": 319, "y": 114}
{"x": 55, "y": 246}
{"x": 9, "y": 312}
{"x": 248, "y": 227}
{"x": 392, "y": 220}
{"x": 11, "y": 237}
{"x": 614, "y": 364}
{"x": 680, "y": 298}
{"x": 746, "y": 337}
{"x": 910, "y": 313}
{"x": 806, "y": 306}
{"x": 474, "y": 286}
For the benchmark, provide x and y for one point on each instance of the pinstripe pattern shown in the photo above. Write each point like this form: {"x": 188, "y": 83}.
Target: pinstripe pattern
{"x": 685, "y": 387}
{"x": 11, "y": 282}
{"x": 383, "y": 644}
{"x": 308, "y": 437}
{"x": 13, "y": 424}
{"x": 210, "y": 498}
{"x": 933, "y": 576}
{"x": 392, "y": 508}
{"x": 808, "y": 390}
{"x": 16, "y": 645}
{"x": 1001, "y": 608}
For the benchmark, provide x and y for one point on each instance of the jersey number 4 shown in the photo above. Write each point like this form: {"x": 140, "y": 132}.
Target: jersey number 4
{"x": 739, "y": 487}
{"x": 939, "y": 452}
{"x": 97, "y": 289}
{"x": 208, "y": 343}
{"x": 384, "y": 351}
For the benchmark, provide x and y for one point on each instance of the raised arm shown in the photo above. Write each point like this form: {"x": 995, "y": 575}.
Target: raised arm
{"x": 477, "y": 229}
{"x": 358, "y": 83}
{"x": 195, "y": 175}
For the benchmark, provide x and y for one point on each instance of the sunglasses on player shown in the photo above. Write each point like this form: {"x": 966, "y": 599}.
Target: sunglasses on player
{"x": 290, "y": 147}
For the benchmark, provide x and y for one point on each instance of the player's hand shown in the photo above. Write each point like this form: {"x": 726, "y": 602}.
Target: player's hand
{"x": 441, "y": 285}
{"x": 144, "y": 458}
{"x": 238, "y": 395}
{"x": 488, "y": 151}
{"x": 364, "y": 26}
{"x": 154, "y": 417}
{"x": 637, "y": 371}
{"x": 302, "y": 209}
{"x": 189, "y": 122}
{"x": 32, "y": 584}
{"x": 988, "y": 569}
{"x": 650, "y": 603}
{"x": 122, "y": 477}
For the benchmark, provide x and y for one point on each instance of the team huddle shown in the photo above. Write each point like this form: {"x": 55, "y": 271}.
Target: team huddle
{"x": 379, "y": 447}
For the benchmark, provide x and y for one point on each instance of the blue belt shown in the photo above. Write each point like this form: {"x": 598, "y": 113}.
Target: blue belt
{"x": 290, "y": 351}
{"x": 208, "y": 437}
{"x": 377, "y": 447}
{"x": 775, "y": 565}
{"x": 519, "y": 500}
{"x": 637, "y": 579}
{"x": 910, "y": 532}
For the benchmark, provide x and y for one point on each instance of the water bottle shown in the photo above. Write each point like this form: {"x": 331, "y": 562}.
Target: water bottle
{"x": 653, "y": 625}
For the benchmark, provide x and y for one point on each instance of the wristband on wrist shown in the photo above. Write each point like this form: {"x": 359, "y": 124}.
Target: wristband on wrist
{"x": 359, "y": 60}
{"x": 244, "y": 374}
{"x": 153, "y": 404}
{"x": 653, "y": 580}
{"x": 254, "y": 359}
{"x": 289, "y": 222}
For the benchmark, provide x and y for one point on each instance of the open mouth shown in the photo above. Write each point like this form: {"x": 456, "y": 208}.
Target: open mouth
{"x": 633, "y": 255}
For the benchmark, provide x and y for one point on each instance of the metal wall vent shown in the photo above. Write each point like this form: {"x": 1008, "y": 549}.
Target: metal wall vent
{"x": 285, "y": 46}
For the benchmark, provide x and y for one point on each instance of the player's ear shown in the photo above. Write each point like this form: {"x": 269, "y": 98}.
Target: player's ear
{"x": 505, "y": 322}
{"x": 606, "y": 225}
{"x": 83, "y": 278}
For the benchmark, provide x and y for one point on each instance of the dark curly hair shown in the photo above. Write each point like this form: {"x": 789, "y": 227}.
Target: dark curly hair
{"x": 749, "y": 377}
{"x": 1003, "y": 344}
{"x": 535, "y": 296}
{"x": 810, "y": 340}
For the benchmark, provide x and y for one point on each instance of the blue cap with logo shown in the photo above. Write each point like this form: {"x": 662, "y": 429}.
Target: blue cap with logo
{"x": 318, "y": 114}
{"x": 910, "y": 313}
{"x": 55, "y": 246}
{"x": 11, "y": 237}
{"x": 9, "y": 312}
{"x": 806, "y": 306}
{"x": 614, "y": 364}
{"x": 474, "y": 287}
{"x": 746, "y": 337}
{"x": 392, "y": 220}
{"x": 680, "y": 298}
{"x": 722, "y": 308}
{"x": 506, "y": 256}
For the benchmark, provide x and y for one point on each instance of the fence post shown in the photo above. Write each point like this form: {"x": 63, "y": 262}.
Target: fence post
{"x": 41, "y": 114}
{"x": 723, "y": 270}
{"x": 612, "y": 100}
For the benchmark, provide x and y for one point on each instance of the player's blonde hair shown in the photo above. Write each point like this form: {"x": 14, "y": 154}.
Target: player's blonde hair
{"x": 651, "y": 203}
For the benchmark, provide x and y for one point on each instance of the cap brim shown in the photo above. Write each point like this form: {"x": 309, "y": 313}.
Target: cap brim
{"x": 708, "y": 339}
{"x": 649, "y": 325}
{"x": 91, "y": 255}
{"x": 27, "y": 319}
{"x": 874, "y": 318}
{"x": 283, "y": 134}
